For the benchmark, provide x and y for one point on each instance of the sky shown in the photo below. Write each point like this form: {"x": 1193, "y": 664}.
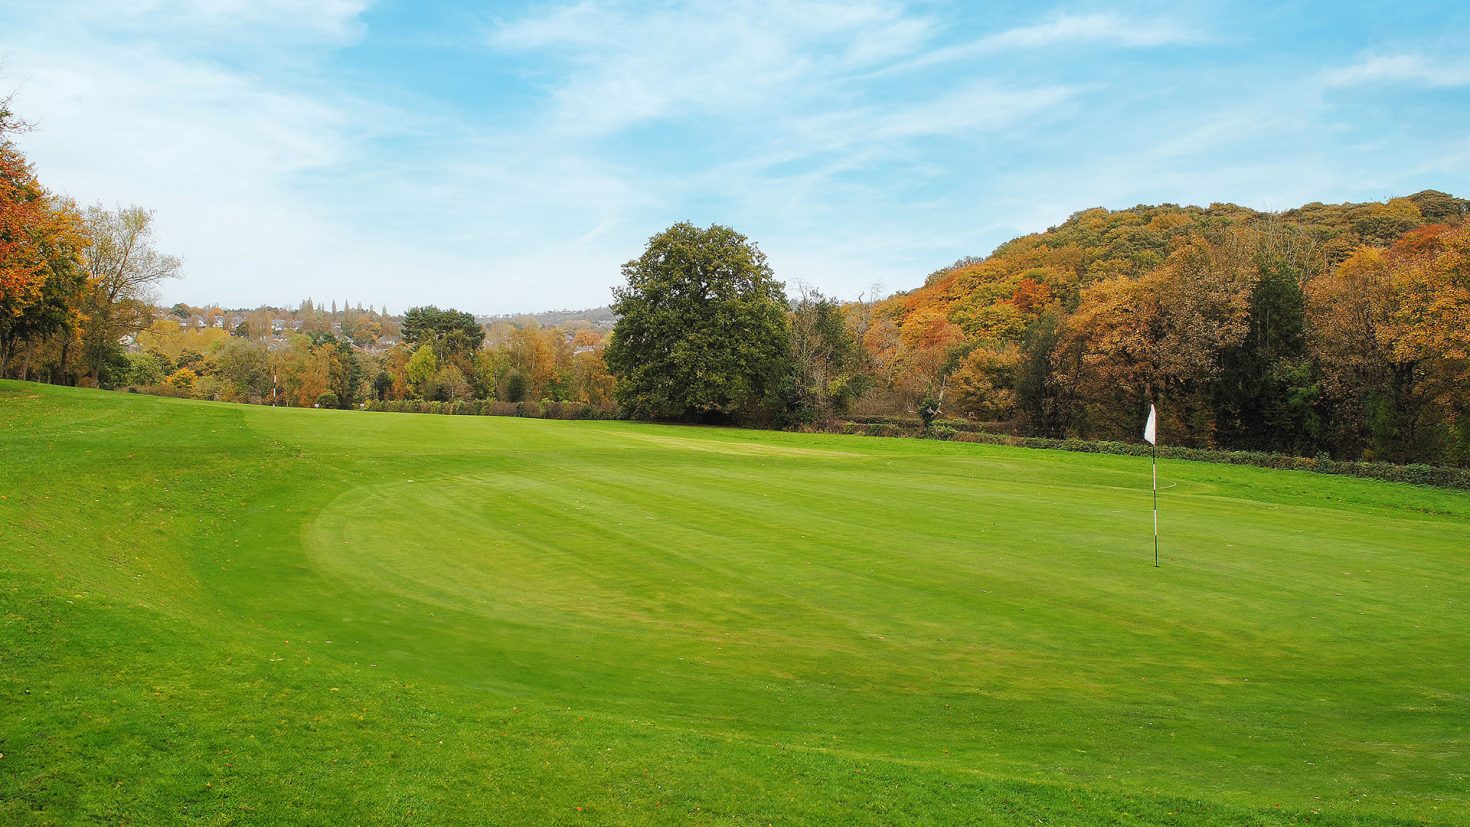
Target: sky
{"x": 508, "y": 157}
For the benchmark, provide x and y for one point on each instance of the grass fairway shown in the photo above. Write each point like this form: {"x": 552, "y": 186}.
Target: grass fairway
{"x": 227, "y": 614}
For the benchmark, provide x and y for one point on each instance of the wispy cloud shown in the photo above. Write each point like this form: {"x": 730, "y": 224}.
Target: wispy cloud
{"x": 1406, "y": 68}
{"x": 1109, "y": 29}
{"x": 628, "y": 65}
{"x": 213, "y": 21}
{"x": 1090, "y": 28}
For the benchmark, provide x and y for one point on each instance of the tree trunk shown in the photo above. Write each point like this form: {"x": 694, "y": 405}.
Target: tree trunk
{"x": 25, "y": 365}
{"x": 61, "y": 364}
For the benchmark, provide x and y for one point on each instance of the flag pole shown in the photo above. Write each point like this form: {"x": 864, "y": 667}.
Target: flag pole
{"x": 1151, "y": 436}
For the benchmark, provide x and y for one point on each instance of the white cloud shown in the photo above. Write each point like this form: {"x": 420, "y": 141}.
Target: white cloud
{"x": 1401, "y": 68}
{"x": 1089, "y": 28}
{"x": 293, "y": 19}
{"x": 979, "y": 107}
{"x": 217, "y": 155}
{"x": 1110, "y": 29}
{"x": 632, "y": 66}
{"x": 272, "y": 191}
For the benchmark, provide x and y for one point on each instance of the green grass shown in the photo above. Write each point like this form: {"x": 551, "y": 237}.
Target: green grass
{"x": 225, "y": 614}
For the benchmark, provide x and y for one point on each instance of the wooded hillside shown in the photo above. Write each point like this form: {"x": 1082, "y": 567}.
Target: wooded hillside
{"x": 1341, "y": 328}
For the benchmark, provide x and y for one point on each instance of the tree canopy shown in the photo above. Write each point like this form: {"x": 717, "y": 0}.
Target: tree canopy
{"x": 702, "y": 328}
{"x": 447, "y": 331}
{"x": 41, "y": 263}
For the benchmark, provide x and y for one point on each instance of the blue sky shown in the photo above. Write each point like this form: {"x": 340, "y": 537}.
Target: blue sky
{"x": 505, "y": 157}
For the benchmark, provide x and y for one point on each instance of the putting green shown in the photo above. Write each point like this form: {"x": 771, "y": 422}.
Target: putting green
{"x": 232, "y": 614}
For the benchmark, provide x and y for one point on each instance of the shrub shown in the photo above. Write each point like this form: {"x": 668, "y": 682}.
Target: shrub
{"x": 928, "y": 410}
{"x": 183, "y": 378}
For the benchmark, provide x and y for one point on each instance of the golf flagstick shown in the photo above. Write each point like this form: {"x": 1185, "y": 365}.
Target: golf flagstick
{"x": 1150, "y": 433}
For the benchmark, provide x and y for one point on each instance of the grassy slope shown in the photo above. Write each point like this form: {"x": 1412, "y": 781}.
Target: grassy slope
{"x": 233, "y": 614}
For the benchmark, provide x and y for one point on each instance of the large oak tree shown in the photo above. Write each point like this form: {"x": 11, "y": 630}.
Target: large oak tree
{"x": 702, "y": 328}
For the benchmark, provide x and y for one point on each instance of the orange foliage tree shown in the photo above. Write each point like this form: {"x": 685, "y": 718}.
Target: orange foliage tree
{"x": 1391, "y": 328}
{"x": 41, "y": 273}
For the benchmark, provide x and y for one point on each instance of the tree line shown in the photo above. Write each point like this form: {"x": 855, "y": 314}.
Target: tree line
{"x": 1331, "y": 329}
{"x": 1339, "y": 330}
{"x": 73, "y": 281}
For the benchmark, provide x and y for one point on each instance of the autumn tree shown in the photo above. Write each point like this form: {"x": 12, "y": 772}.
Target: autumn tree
{"x": 243, "y": 369}
{"x": 1391, "y": 328}
{"x": 123, "y": 270}
{"x": 593, "y": 382}
{"x": 702, "y": 329}
{"x": 983, "y": 384}
{"x": 1159, "y": 339}
{"x": 825, "y": 376}
{"x": 41, "y": 272}
{"x": 929, "y": 349}
{"x": 304, "y": 371}
{"x": 420, "y": 371}
{"x": 534, "y": 355}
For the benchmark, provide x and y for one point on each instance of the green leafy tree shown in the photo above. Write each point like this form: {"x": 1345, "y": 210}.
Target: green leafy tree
{"x": 144, "y": 369}
{"x": 245, "y": 366}
{"x": 421, "y": 368}
{"x": 449, "y": 332}
{"x": 451, "y": 385}
{"x": 1253, "y": 394}
{"x": 1043, "y": 401}
{"x": 382, "y": 385}
{"x": 702, "y": 328}
{"x": 515, "y": 386}
{"x": 346, "y": 374}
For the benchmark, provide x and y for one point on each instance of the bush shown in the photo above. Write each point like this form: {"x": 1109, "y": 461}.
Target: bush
{"x": 183, "y": 378}
{"x": 142, "y": 369}
{"x": 328, "y": 400}
{"x": 546, "y": 408}
{"x": 942, "y": 432}
{"x": 928, "y": 410}
{"x": 516, "y": 386}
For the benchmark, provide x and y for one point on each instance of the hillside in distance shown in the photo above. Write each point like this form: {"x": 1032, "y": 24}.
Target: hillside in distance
{"x": 1329, "y": 328}
{"x": 601, "y": 317}
{"x": 1098, "y": 243}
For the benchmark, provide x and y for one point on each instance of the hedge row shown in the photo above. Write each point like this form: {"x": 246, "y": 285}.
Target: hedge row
{"x": 545, "y": 409}
{"x": 1417, "y": 474}
{"x": 915, "y": 425}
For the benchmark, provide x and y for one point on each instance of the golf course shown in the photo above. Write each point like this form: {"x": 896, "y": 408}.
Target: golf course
{"x": 226, "y": 614}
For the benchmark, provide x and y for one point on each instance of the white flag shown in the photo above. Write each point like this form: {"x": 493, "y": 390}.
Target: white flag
{"x": 1150, "y": 428}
